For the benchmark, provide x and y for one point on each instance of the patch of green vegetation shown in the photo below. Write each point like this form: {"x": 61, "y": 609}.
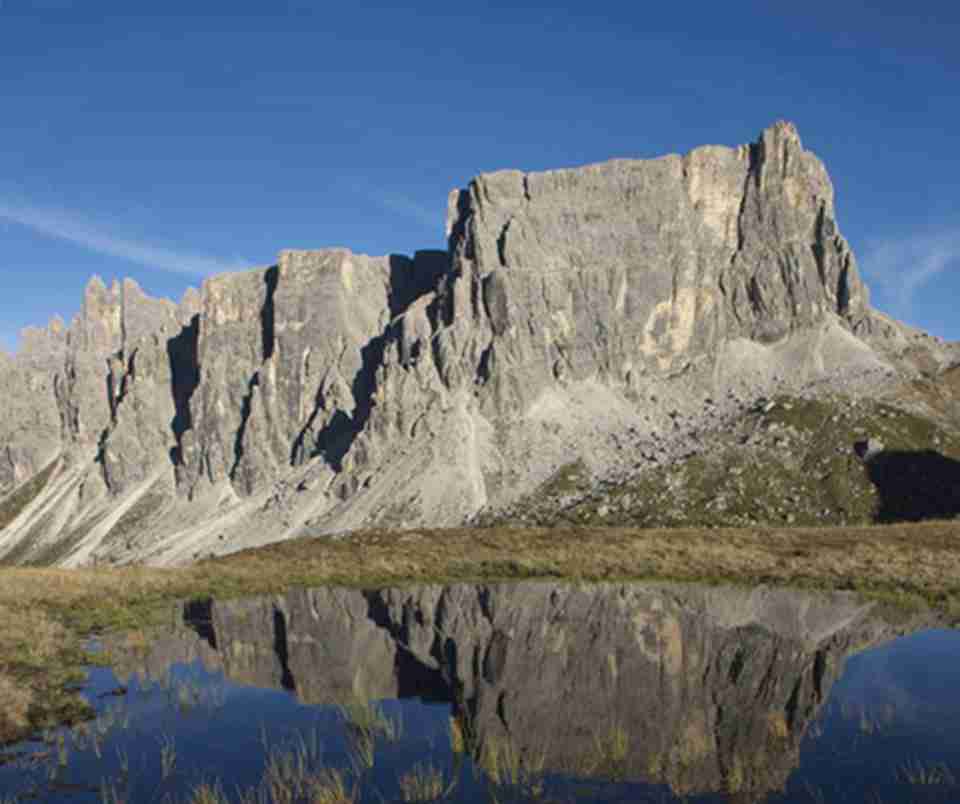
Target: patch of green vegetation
{"x": 125, "y": 614}
{"x": 568, "y": 479}
{"x": 40, "y": 671}
{"x": 791, "y": 462}
{"x": 564, "y": 487}
{"x": 59, "y": 703}
{"x": 14, "y": 503}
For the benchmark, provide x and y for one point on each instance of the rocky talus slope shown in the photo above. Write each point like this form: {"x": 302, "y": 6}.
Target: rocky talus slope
{"x": 822, "y": 460}
{"x": 713, "y": 688}
{"x": 580, "y": 317}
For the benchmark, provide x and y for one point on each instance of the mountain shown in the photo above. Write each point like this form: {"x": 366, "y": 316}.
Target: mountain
{"x": 580, "y": 317}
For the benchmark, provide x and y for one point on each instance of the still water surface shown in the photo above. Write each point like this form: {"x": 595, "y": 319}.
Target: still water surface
{"x": 517, "y": 692}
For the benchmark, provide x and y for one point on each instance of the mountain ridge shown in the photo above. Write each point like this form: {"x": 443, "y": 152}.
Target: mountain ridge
{"x": 335, "y": 390}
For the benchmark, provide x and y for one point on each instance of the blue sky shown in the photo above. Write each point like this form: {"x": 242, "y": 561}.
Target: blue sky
{"x": 157, "y": 141}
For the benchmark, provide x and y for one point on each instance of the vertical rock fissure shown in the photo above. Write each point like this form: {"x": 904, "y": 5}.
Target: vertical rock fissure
{"x": 271, "y": 278}
{"x": 819, "y": 252}
{"x": 337, "y": 437}
{"x": 742, "y": 210}
{"x": 486, "y": 365}
{"x": 198, "y": 616}
{"x": 792, "y": 708}
{"x": 843, "y": 291}
{"x": 819, "y": 674}
{"x": 246, "y": 408}
{"x": 68, "y": 411}
{"x": 298, "y": 451}
{"x": 415, "y": 678}
{"x": 117, "y": 388}
{"x": 729, "y": 294}
{"x": 267, "y": 335}
{"x": 502, "y": 243}
{"x": 341, "y": 431}
{"x": 183, "y": 357}
{"x": 281, "y": 649}
{"x": 112, "y": 393}
{"x": 101, "y": 459}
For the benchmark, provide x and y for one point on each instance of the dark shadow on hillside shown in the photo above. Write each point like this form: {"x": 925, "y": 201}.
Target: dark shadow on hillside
{"x": 915, "y": 485}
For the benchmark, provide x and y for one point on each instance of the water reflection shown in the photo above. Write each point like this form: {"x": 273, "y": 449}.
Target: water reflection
{"x": 535, "y": 691}
{"x": 704, "y": 689}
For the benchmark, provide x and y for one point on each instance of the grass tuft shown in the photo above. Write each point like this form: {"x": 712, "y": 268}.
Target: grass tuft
{"x": 612, "y": 748}
{"x": 425, "y": 782}
{"x": 920, "y": 775}
{"x": 511, "y": 773}
{"x": 208, "y": 793}
{"x": 368, "y": 719}
{"x": 330, "y": 786}
{"x": 458, "y": 742}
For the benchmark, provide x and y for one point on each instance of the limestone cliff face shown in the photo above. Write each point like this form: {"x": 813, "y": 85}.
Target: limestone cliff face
{"x": 288, "y": 359}
{"x": 30, "y": 422}
{"x": 715, "y": 688}
{"x": 632, "y": 268}
{"x": 334, "y": 390}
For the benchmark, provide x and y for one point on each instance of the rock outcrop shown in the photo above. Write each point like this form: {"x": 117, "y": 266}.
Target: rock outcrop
{"x": 333, "y": 390}
{"x": 713, "y": 688}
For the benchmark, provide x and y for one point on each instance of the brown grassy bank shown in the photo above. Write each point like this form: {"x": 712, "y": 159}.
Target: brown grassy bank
{"x": 45, "y": 612}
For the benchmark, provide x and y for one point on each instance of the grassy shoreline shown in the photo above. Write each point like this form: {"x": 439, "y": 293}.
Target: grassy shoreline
{"x": 46, "y": 613}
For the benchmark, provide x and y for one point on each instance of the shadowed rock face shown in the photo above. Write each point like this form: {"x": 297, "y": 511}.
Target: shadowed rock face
{"x": 333, "y": 390}
{"x": 714, "y": 687}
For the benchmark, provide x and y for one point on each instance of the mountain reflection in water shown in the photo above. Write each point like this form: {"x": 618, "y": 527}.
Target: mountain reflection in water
{"x": 712, "y": 689}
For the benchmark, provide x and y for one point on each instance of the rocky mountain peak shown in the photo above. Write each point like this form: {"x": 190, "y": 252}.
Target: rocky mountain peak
{"x": 335, "y": 390}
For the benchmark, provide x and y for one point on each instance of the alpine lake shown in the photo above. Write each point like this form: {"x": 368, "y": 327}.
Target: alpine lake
{"x": 514, "y": 692}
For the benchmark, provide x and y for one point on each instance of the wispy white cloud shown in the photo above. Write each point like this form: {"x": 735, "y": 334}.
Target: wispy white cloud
{"x": 95, "y": 236}
{"x": 902, "y": 266}
{"x": 399, "y": 203}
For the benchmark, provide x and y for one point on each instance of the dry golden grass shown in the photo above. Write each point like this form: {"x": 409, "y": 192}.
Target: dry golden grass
{"x": 38, "y": 657}
{"x": 208, "y": 793}
{"x": 330, "y": 787}
{"x": 777, "y": 726}
{"x": 425, "y": 782}
{"x": 919, "y": 561}
{"x": 903, "y": 563}
{"x": 15, "y": 700}
{"x": 458, "y": 742}
{"x": 906, "y": 560}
